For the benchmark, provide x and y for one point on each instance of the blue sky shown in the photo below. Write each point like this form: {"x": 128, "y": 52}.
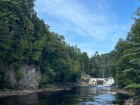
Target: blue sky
{"x": 94, "y": 25}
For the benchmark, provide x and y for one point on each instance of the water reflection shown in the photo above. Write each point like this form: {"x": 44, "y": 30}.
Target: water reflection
{"x": 31, "y": 99}
{"x": 76, "y": 96}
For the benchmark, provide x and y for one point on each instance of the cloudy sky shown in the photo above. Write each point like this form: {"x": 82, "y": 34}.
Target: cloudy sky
{"x": 94, "y": 25}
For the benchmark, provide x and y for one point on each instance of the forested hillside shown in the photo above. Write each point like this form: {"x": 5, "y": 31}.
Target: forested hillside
{"x": 26, "y": 38}
{"x": 101, "y": 64}
{"x": 126, "y": 68}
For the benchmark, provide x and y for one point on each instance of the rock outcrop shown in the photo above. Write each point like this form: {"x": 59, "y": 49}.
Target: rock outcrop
{"x": 30, "y": 78}
{"x": 133, "y": 101}
{"x": 85, "y": 76}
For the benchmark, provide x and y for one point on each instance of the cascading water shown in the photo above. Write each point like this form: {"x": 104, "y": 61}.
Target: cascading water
{"x": 109, "y": 82}
{"x": 105, "y": 82}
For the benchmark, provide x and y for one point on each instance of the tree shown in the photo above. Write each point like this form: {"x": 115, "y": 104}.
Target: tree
{"x": 86, "y": 62}
{"x": 133, "y": 39}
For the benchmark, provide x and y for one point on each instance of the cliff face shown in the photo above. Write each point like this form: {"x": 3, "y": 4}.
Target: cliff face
{"x": 30, "y": 78}
{"x": 85, "y": 76}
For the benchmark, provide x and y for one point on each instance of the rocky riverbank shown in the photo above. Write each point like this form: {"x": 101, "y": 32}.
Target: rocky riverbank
{"x": 49, "y": 87}
{"x": 134, "y": 100}
{"x": 122, "y": 91}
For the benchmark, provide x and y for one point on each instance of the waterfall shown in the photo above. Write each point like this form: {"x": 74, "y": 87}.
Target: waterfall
{"x": 103, "y": 81}
{"x": 109, "y": 82}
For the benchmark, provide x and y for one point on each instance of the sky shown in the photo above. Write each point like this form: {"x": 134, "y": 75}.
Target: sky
{"x": 94, "y": 25}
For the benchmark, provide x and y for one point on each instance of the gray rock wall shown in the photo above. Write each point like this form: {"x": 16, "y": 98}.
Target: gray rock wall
{"x": 133, "y": 101}
{"x": 30, "y": 78}
{"x": 85, "y": 76}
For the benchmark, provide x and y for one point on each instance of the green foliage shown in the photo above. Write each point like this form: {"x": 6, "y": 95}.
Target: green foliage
{"x": 18, "y": 74}
{"x": 86, "y": 62}
{"x": 102, "y": 64}
{"x": 26, "y": 38}
{"x": 46, "y": 77}
{"x": 126, "y": 68}
{"x": 134, "y": 85}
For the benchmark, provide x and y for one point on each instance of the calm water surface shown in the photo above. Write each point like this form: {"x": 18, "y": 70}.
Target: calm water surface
{"x": 75, "y": 96}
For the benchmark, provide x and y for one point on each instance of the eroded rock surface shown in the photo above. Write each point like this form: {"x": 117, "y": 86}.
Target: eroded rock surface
{"x": 133, "y": 101}
{"x": 30, "y": 78}
{"x": 85, "y": 76}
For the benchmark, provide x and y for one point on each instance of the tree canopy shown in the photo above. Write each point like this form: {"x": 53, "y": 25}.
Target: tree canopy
{"x": 126, "y": 69}
{"x": 26, "y": 38}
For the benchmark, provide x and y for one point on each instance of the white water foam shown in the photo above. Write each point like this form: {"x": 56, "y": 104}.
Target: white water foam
{"x": 106, "y": 82}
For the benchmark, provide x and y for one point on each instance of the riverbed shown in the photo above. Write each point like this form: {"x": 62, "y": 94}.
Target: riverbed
{"x": 80, "y": 95}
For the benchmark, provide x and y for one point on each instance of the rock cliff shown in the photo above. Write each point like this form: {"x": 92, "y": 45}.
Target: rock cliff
{"x": 133, "y": 101}
{"x": 85, "y": 76}
{"x": 30, "y": 78}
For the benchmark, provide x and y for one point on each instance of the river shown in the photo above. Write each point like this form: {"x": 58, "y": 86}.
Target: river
{"x": 85, "y": 95}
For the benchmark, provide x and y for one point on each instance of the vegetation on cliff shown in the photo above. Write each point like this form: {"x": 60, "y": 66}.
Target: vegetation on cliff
{"x": 26, "y": 38}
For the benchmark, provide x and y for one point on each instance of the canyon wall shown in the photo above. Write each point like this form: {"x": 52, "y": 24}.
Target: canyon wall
{"x": 31, "y": 75}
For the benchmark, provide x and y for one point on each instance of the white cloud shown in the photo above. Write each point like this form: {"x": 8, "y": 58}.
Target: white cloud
{"x": 94, "y": 23}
